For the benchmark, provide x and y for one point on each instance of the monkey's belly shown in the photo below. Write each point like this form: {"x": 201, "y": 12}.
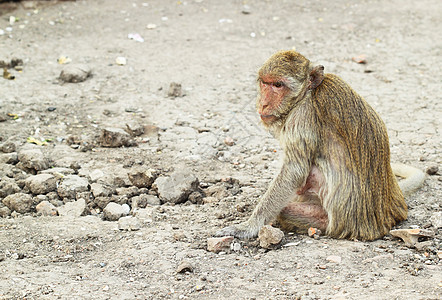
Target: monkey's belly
{"x": 314, "y": 182}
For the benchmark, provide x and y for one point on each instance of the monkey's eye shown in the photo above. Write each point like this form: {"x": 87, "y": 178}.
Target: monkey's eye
{"x": 278, "y": 84}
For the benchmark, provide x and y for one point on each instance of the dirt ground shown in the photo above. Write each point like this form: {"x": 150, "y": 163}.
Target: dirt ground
{"x": 213, "y": 49}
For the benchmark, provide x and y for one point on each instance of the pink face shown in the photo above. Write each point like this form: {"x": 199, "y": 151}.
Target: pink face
{"x": 273, "y": 90}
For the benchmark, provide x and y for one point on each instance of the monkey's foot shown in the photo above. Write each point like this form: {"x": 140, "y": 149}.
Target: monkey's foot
{"x": 241, "y": 231}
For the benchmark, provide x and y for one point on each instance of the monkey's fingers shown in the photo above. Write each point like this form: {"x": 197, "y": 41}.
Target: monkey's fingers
{"x": 241, "y": 231}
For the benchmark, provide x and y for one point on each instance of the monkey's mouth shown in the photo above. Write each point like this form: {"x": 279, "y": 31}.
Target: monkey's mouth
{"x": 268, "y": 118}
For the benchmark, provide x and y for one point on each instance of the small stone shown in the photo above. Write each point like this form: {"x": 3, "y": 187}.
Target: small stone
{"x": 8, "y": 147}
{"x": 314, "y": 232}
{"x": 175, "y": 90}
{"x": 113, "y": 211}
{"x": 19, "y": 202}
{"x": 121, "y": 60}
{"x": 9, "y": 158}
{"x": 33, "y": 159}
{"x": 269, "y": 235}
{"x": 45, "y": 208}
{"x": 246, "y": 10}
{"x": 73, "y": 209}
{"x": 8, "y": 186}
{"x": 411, "y": 236}
{"x": 102, "y": 190}
{"x": 432, "y": 170}
{"x": 235, "y": 247}
{"x": 334, "y": 259}
{"x": 126, "y": 209}
{"x": 115, "y": 137}
{"x": 71, "y": 185}
{"x": 184, "y": 267}
{"x": 134, "y": 128}
{"x": 129, "y": 223}
{"x": 75, "y": 73}
{"x": 4, "y": 212}
{"x": 142, "y": 177}
{"x": 143, "y": 200}
{"x": 176, "y": 188}
{"x": 41, "y": 183}
{"x": 151, "y": 26}
{"x": 436, "y": 219}
{"x": 101, "y": 202}
{"x": 229, "y": 141}
{"x": 219, "y": 244}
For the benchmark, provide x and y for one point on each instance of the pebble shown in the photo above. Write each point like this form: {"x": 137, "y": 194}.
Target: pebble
{"x": 177, "y": 187}
{"x": 175, "y": 90}
{"x": 8, "y": 147}
{"x": 269, "y": 235}
{"x": 33, "y": 159}
{"x": 432, "y": 170}
{"x": 229, "y": 141}
{"x": 184, "y": 267}
{"x": 9, "y": 158}
{"x": 134, "y": 128}
{"x": 411, "y": 236}
{"x": 113, "y": 211}
{"x": 8, "y": 186}
{"x": 219, "y": 244}
{"x": 75, "y": 73}
{"x": 102, "y": 190}
{"x": 334, "y": 259}
{"x": 73, "y": 209}
{"x": 142, "y": 176}
{"x": 121, "y": 61}
{"x": 41, "y": 183}
{"x": 129, "y": 223}
{"x": 143, "y": 200}
{"x": 19, "y": 202}
{"x": 115, "y": 137}
{"x": 45, "y": 208}
{"x": 4, "y": 211}
{"x": 71, "y": 185}
{"x": 436, "y": 219}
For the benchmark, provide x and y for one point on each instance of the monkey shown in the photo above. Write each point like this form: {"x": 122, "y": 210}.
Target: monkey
{"x": 336, "y": 173}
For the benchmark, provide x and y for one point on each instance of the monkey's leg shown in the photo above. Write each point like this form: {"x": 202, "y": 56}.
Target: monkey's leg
{"x": 282, "y": 190}
{"x": 300, "y": 216}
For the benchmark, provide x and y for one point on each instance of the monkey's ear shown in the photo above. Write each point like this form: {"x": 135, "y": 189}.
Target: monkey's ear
{"x": 316, "y": 77}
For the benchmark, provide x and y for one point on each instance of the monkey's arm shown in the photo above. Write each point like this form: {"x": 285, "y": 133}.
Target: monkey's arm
{"x": 281, "y": 191}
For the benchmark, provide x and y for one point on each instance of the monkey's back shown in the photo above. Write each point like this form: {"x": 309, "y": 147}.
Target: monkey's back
{"x": 357, "y": 139}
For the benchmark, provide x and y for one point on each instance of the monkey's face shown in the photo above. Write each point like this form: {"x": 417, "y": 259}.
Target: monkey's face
{"x": 281, "y": 80}
{"x": 273, "y": 90}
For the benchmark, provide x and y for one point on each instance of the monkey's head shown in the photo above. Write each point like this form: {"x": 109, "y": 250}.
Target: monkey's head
{"x": 283, "y": 81}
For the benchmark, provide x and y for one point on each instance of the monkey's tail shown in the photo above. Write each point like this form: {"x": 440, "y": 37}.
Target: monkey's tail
{"x": 413, "y": 178}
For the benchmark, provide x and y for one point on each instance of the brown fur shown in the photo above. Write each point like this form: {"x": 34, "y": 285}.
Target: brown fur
{"x": 336, "y": 173}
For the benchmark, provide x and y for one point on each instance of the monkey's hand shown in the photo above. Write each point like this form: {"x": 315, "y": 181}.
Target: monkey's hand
{"x": 242, "y": 231}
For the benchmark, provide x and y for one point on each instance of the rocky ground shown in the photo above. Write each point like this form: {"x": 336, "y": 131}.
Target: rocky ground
{"x": 128, "y": 136}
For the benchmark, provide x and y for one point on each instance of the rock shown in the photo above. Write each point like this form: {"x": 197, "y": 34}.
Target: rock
{"x": 129, "y": 223}
{"x": 269, "y": 235}
{"x": 71, "y": 185}
{"x": 436, "y": 219}
{"x": 8, "y": 158}
{"x": 142, "y": 177}
{"x": 334, "y": 259}
{"x": 246, "y": 10}
{"x": 115, "y": 137}
{"x": 75, "y": 73}
{"x": 41, "y": 183}
{"x": 8, "y": 147}
{"x": 196, "y": 197}
{"x": 128, "y": 192}
{"x": 58, "y": 171}
{"x": 184, "y": 267}
{"x": 113, "y": 211}
{"x": 219, "y": 244}
{"x": 175, "y": 90}
{"x": 218, "y": 191}
{"x": 19, "y": 202}
{"x": 235, "y": 247}
{"x": 73, "y": 209}
{"x": 126, "y": 209}
{"x": 45, "y": 208}
{"x": 411, "y": 236}
{"x": 102, "y": 190}
{"x": 8, "y": 186}
{"x": 176, "y": 188}
{"x": 134, "y": 128}
{"x": 101, "y": 202}
{"x": 432, "y": 170}
{"x": 95, "y": 175}
{"x": 314, "y": 232}
{"x": 143, "y": 200}
{"x": 229, "y": 141}
{"x": 33, "y": 159}
{"x": 4, "y": 210}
